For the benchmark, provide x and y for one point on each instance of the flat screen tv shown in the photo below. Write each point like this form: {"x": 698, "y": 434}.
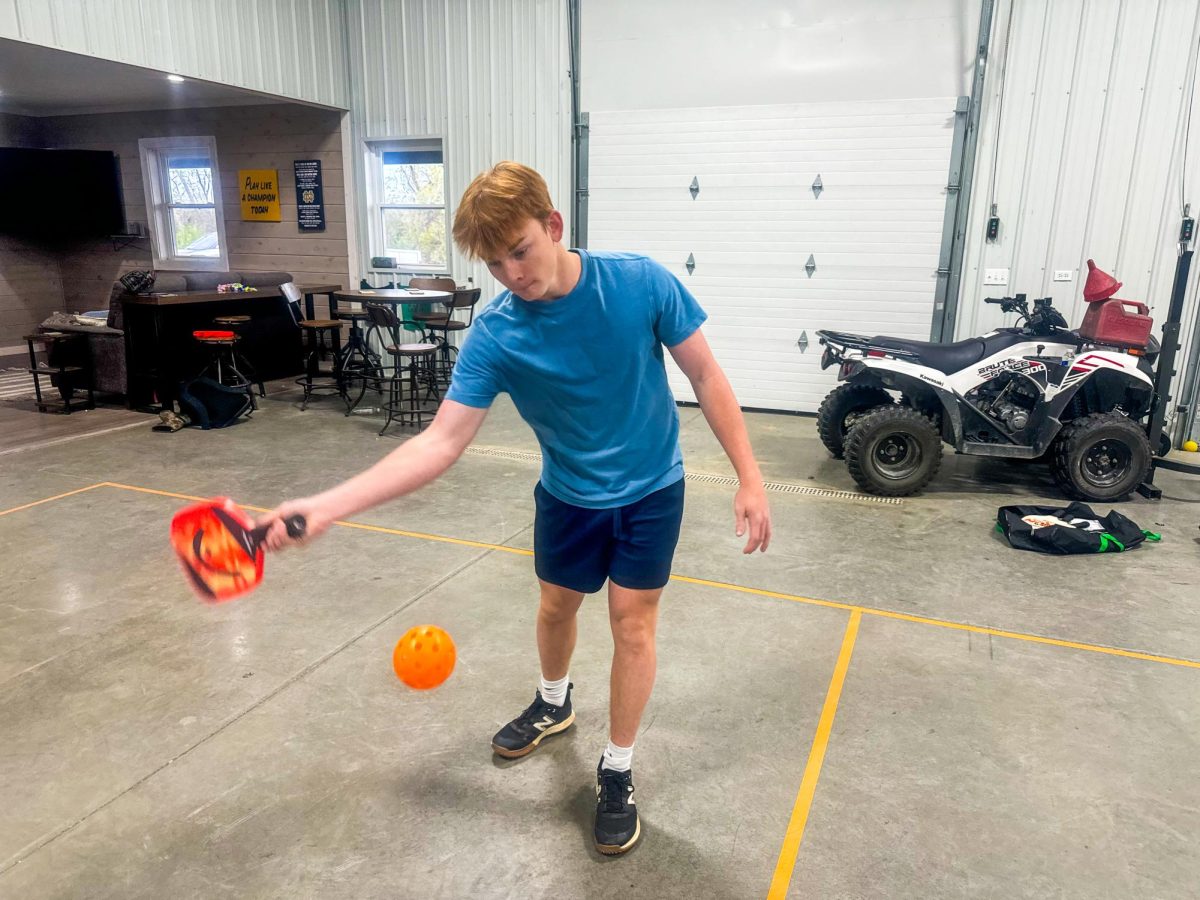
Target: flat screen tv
{"x": 60, "y": 194}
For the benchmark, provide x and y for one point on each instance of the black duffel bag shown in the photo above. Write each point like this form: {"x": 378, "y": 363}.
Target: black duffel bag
{"x": 211, "y": 404}
{"x": 1072, "y": 529}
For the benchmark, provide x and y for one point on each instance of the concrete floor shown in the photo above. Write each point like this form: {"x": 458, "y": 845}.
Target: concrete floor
{"x": 820, "y": 728}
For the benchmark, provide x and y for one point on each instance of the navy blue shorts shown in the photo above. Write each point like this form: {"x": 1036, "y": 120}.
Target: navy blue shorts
{"x": 578, "y": 548}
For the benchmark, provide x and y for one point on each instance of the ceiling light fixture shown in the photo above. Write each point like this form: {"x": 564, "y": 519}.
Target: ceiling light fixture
{"x": 175, "y": 78}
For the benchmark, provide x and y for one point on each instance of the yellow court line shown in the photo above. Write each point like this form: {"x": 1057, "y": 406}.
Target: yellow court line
{"x": 942, "y": 623}
{"x": 758, "y": 592}
{"x": 90, "y": 487}
{"x": 520, "y": 551}
{"x": 812, "y": 771}
{"x": 376, "y": 528}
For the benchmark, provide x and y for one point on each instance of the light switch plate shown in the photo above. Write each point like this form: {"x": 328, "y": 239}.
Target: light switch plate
{"x": 995, "y": 276}
{"x": 1063, "y": 274}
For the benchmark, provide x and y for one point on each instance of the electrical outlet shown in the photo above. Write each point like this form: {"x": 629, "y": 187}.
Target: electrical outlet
{"x": 995, "y": 276}
{"x": 1063, "y": 274}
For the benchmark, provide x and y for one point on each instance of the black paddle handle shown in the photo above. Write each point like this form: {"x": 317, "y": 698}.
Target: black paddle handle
{"x": 295, "y": 528}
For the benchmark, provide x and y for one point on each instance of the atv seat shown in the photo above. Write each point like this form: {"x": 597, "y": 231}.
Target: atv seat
{"x": 946, "y": 358}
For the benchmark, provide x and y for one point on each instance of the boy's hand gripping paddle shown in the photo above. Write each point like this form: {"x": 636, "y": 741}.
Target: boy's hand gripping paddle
{"x": 220, "y": 549}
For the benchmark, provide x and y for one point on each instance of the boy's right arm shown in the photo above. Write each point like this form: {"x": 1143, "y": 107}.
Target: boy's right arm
{"x": 413, "y": 464}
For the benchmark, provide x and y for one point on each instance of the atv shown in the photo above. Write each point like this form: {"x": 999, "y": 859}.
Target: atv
{"x": 1032, "y": 391}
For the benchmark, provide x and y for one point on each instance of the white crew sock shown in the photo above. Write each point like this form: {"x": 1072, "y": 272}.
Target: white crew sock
{"x": 555, "y": 692}
{"x": 617, "y": 759}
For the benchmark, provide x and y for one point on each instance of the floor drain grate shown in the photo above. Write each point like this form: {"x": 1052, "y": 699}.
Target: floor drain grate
{"x": 516, "y": 455}
{"x": 777, "y": 487}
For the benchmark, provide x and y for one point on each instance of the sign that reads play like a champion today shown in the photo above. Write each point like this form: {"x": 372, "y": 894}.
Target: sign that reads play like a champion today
{"x": 260, "y": 195}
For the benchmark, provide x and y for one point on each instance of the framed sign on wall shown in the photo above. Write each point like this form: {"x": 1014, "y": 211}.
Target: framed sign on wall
{"x": 310, "y": 201}
{"x": 260, "y": 195}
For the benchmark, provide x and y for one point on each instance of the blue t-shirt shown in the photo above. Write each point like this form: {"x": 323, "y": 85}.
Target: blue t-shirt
{"x": 586, "y": 372}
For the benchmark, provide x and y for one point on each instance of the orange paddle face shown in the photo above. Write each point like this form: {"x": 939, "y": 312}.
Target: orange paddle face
{"x": 219, "y": 549}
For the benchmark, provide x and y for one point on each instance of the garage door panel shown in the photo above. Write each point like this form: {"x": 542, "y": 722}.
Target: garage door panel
{"x": 780, "y": 200}
{"x": 874, "y": 233}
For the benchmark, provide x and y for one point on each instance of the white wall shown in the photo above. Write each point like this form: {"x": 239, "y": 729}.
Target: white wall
{"x": 1088, "y": 152}
{"x": 687, "y": 53}
{"x": 290, "y": 48}
{"x": 490, "y": 79}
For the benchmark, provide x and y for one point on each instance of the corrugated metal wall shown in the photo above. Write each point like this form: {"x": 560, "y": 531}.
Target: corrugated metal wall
{"x": 291, "y": 48}
{"x": 490, "y": 77}
{"x": 1090, "y": 104}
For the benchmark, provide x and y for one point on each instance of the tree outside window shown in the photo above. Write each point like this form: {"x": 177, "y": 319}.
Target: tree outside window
{"x": 413, "y": 208}
{"x": 182, "y": 182}
{"x": 193, "y": 215}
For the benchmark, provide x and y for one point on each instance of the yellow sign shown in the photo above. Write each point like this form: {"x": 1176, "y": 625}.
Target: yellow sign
{"x": 260, "y": 195}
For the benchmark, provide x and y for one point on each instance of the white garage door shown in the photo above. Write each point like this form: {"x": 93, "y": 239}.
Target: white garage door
{"x": 869, "y": 235}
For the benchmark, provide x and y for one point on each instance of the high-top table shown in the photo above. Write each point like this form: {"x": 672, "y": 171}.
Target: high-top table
{"x": 356, "y": 354}
{"x": 390, "y": 296}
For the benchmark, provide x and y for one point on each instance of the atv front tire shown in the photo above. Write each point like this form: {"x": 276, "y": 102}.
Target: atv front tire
{"x": 893, "y": 451}
{"x": 844, "y": 405}
{"x": 1101, "y": 457}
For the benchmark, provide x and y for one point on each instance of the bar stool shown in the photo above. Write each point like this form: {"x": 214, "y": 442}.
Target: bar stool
{"x": 356, "y": 360}
{"x": 413, "y": 372}
{"x": 315, "y": 380}
{"x": 440, "y": 331}
{"x": 236, "y": 324}
{"x": 386, "y": 327}
{"x": 222, "y": 360}
{"x": 313, "y": 333}
{"x": 442, "y": 313}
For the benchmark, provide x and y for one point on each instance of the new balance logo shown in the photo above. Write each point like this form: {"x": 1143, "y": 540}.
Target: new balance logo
{"x": 630, "y": 799}
{"x": 544, "y": 724}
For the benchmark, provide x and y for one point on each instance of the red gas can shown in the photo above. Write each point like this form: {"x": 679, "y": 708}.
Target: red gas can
{"x": 1106, "y": 320}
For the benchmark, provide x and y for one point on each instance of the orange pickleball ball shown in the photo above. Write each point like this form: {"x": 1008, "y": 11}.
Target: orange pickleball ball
{"x": 424, "y": 657}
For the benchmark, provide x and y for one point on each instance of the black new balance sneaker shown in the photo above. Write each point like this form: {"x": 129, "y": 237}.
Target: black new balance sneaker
{"x": 522, "y": 735}
{"x": 617, "y": 825}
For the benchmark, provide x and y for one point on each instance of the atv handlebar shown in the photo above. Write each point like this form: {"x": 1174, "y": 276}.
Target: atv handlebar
{"x": 1010, "y": 304}
{"x": 1044, "y": 319}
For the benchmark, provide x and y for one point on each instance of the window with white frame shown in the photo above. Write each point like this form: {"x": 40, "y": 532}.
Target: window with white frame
{"x": 408, "y": 203}
{"x": 183, "y": 202}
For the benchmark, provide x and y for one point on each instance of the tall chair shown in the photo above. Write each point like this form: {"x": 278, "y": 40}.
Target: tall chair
{"x": 438, "y": 283}
{"x": 413, "y": 371}
{"x": 315, "y": 380}
{"x": 464, "y": 298}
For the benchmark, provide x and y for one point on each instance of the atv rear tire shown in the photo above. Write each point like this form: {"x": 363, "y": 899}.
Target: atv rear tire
{"x": 893, "y": 451}
{"x": 842, "y": 408}
{"x": 1101, "y": 457}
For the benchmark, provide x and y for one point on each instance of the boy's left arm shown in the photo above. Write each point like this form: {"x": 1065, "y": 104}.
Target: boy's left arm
{"x": 720, "y": 407}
